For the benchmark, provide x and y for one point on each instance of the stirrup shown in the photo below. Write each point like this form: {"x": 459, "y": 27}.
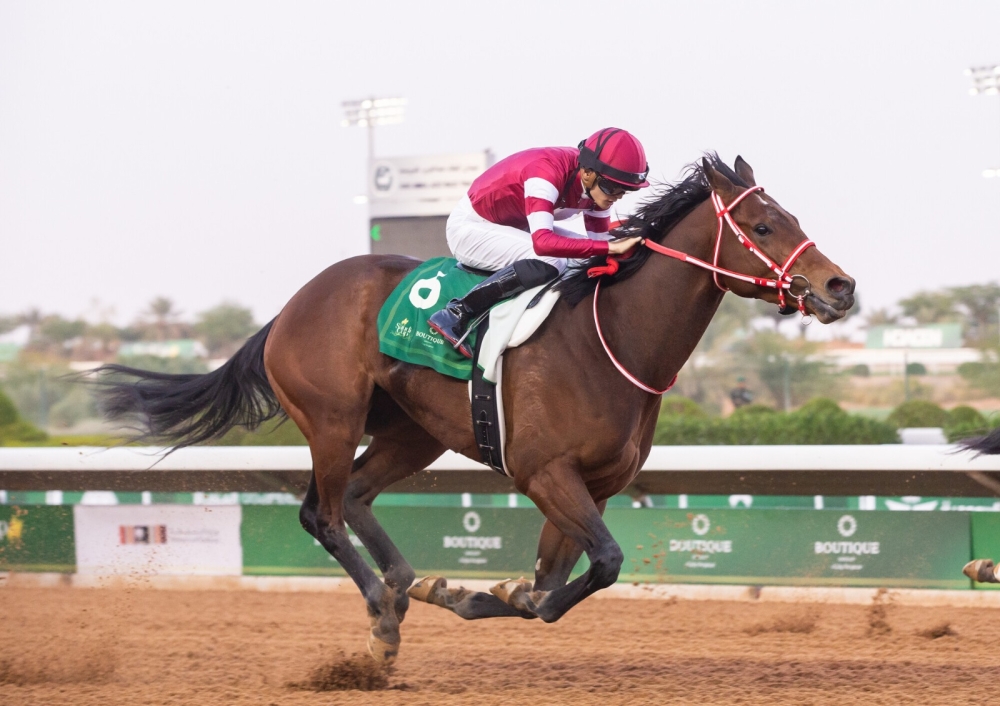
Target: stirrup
{"x": 470, "y": 328}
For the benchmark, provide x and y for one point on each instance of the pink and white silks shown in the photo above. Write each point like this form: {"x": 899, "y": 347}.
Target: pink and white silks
{"x": 510, "y": 212}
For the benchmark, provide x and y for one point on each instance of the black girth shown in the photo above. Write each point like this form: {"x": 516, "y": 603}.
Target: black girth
{"x": 485, "y": 417}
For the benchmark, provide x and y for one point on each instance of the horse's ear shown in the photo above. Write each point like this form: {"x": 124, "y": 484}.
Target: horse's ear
{"x": 716, "y": 179}
{"x": 744, "y": 171}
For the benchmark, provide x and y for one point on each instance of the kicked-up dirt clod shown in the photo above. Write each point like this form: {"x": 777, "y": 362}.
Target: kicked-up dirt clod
{"x": 358, "y": 672}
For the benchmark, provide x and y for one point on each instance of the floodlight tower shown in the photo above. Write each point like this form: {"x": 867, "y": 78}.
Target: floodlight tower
{"x": 368, "y": 113}
{"x": 985, "y": 81}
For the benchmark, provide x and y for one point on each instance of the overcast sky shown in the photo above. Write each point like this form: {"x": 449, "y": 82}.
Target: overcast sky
{"x": 193, "y": 149}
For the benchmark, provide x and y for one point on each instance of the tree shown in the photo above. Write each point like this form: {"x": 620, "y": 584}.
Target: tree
{"x": 731, "y": 320}
{"x": 979, "y": 303}
{"x": 881, "y": 317}
{"x": 105, "y": 333}
{"x": 52, "y": 334}
{"x": 56, "y": 329}
{"x": 931, "y": 307}
{"x": 708, "y": 384}
{"x": 225, "y": 326}
{"x": 787, "y": 366}
{"x": 165, "y": 318}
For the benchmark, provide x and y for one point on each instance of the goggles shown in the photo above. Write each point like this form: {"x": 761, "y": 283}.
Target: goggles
{"x": 613, "y": 188}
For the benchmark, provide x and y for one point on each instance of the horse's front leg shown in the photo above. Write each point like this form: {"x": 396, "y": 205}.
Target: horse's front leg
{"x": 557, "y": 555}
{"x": 563, "y": 497}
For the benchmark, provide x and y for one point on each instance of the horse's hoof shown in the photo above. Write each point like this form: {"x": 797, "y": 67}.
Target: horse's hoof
{"x": 981, "y": 570}
{"x": 505, "y": 590}
{"x": 381, "y": 651}
{"x": 422, "y": 589}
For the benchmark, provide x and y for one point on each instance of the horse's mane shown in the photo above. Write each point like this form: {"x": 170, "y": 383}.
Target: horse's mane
{"x": 654, "y": 220}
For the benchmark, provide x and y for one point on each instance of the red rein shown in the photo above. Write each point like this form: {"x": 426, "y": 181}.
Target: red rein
{"x": 782, "y": 282}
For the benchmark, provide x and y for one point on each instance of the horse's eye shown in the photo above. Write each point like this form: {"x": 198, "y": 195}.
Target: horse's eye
{"x": 761, "y": 229}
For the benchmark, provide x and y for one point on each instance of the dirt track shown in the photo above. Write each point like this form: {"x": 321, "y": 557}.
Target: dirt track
{"x": 134, "y": 646}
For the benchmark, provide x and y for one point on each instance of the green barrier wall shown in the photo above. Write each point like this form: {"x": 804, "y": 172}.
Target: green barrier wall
{"x": 457, "y": 542}
{"x": 37, "y": 538}
{"x": 986, "y": 542}
{"x": 827, "y": 547}
{"x": 819, "y": 548}
{"x": 823, "y": 547}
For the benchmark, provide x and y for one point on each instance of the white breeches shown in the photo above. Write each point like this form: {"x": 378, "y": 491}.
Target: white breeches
{"x": 479, "y": 243}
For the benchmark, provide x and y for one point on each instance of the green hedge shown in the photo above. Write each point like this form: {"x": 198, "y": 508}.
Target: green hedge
{"x": 962, "y": 422}
{"x": 918, "y": 413}
{"x": 13, "y": 429}
{"x": 820, "y": 421}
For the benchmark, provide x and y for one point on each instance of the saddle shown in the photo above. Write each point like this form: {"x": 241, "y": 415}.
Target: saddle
{"x": 405, "y": 335}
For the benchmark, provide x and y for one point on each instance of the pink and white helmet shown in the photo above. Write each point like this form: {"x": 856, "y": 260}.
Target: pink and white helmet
{"x": 616, "y": 155}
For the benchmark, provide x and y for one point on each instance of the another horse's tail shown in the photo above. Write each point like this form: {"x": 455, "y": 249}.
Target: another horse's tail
{"x": 181, "y": 410}
{"x": 989, "y": 444}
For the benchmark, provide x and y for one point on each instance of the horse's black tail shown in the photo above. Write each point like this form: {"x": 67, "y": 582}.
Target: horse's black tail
{"x": 989, "y": 444}
{"x": 181, "y": 410}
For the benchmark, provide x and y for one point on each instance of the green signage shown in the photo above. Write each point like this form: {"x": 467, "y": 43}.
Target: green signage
{"x": 826, "y": 547}
{"x": 455, "y": 542}
{"x": 275, "y": 543}
{"x": 986, "y": 541}
{"x": 37, "y": 538}
{"x": 926, "y": 336}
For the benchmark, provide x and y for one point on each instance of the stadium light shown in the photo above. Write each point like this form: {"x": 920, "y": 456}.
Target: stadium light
{"x": 369, "y": 112}
{"x": 985, "y": 81}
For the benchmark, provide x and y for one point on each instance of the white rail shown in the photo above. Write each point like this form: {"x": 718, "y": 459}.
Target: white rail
{"x": 889, "y": 457}
{"x": 795, "y": 470}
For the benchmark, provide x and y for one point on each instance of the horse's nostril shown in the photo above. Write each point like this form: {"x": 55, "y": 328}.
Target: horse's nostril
{"x": 840, "y": 287}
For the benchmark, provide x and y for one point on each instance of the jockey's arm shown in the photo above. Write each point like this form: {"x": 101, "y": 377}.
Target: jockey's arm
{"x": 540, "y": 196}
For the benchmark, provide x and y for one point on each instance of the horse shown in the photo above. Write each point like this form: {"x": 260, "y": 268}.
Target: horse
{"x": 581, "y": 396}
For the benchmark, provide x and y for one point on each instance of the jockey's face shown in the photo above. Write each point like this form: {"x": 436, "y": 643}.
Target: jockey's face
{"x": 601, "y": 200}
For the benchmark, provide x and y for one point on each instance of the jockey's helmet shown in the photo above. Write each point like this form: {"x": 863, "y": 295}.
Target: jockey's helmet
{"x": 617, "y": 155}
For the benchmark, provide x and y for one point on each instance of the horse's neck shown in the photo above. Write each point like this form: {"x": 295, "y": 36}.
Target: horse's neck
{"x": 654, "y": 319}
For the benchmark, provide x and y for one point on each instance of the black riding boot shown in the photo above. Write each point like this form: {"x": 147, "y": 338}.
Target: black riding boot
{"x": 452, "y": 321}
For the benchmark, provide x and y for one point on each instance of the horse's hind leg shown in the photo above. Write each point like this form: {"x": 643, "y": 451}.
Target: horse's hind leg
{"x": 323, "y": 516}
{"x": 395, "y": 453}
{"x": 471, "y": 605}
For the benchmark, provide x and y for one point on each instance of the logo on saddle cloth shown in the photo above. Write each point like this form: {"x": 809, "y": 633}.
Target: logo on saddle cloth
{"x": 425, "y": 292}
{"x": 402, "y": 330}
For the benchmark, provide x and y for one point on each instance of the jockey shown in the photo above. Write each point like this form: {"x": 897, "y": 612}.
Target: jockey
{"x": 506, "y": 223}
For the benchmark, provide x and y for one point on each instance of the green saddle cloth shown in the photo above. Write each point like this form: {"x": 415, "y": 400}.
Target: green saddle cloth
{"x": 403, "y": 332}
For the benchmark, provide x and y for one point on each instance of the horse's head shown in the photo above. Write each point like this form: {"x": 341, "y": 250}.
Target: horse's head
{"x": 775, "y": 233}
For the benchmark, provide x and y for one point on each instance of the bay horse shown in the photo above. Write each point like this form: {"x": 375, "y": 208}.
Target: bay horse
{"x": 577, "y": 429}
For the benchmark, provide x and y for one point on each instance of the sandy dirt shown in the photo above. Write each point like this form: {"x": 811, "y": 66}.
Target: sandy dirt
{"x": 139, "y": 646}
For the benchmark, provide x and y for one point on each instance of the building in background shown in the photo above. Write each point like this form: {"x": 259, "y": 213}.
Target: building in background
{"x": 889, "y": 349}
{"x": 410, "y": 199}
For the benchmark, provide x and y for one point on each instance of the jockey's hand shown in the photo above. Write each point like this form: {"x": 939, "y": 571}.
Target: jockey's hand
{"x": 619, "y": 246}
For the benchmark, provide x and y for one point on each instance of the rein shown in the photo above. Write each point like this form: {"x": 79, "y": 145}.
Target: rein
{"x": 723, "y": 214}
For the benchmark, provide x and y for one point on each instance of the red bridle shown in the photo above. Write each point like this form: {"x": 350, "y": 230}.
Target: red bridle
{"x": 723, "y": 214}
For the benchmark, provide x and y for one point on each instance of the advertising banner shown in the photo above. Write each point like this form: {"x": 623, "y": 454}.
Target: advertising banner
{"x": 274, "y": 543}
{"x": 158, "y": 539}
{"x": 36, "y": 538}
{"x": 986, "y": 542}
{"x": 457, "y": 542}
{"x": 825, "y": 547}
